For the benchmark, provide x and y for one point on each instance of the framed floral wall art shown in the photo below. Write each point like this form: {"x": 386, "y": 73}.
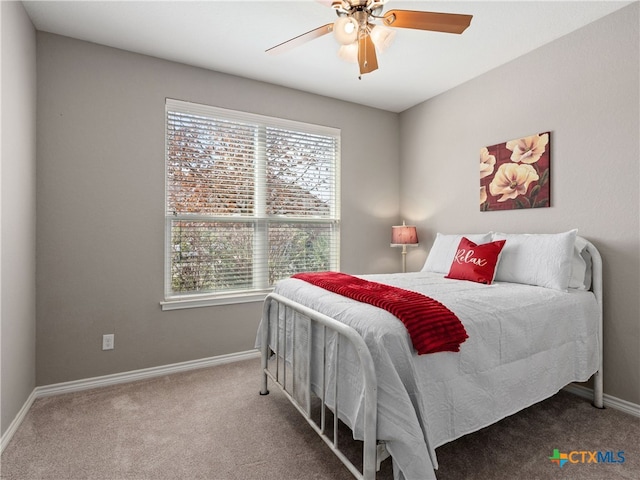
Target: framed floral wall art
{"x": 516, "y": 174}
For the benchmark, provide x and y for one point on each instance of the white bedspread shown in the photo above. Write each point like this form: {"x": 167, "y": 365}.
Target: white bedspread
{"x": 525, "y": 344}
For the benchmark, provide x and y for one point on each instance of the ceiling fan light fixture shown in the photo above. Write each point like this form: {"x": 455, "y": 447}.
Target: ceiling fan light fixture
{"x": 345, "y": 30}
{"x": 349, "y": 53}
{"x": 382, "y": 37}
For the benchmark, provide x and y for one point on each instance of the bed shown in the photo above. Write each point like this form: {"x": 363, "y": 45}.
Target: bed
{"x": 532, "y": 330}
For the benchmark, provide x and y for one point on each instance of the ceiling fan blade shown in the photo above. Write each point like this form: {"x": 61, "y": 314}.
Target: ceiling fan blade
{"x": 437, "y": 22}
{"x": 367, "y": 54}
{"x": 300, "y": 39}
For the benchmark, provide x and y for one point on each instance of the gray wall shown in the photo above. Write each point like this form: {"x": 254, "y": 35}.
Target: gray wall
{"x": 584, "y": 88}
{"x": 18, "y": 210}
{"x": 101, "y": 205}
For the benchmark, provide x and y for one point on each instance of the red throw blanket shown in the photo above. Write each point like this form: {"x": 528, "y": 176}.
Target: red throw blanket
{"x": 431, "y": 326}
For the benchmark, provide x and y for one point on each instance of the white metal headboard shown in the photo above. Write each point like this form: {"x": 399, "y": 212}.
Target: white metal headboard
{"x": 596, "y": 288}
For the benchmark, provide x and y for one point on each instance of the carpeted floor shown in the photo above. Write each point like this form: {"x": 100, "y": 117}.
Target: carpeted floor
{"x": 212, "y": 424}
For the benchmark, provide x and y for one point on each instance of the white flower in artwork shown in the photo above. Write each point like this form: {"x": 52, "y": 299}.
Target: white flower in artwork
{"x": 528, "y": 149}
{"x": 511, "y": 180}
{"x": 487, "y": 163}
{"x": 483, "y": 194}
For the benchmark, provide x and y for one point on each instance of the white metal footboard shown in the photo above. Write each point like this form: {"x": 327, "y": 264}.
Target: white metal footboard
{"x": 294, "y": 314}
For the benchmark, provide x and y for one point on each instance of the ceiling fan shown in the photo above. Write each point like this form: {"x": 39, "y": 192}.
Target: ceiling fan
{"x": 362, "y": 27}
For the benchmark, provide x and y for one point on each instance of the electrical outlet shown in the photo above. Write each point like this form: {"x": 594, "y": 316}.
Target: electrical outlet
{"x": 107, "y": 341}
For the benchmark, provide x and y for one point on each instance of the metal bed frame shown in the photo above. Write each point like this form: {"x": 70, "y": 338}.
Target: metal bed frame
{"x": 596, "y": 288}
{"x": 373, "y": 453}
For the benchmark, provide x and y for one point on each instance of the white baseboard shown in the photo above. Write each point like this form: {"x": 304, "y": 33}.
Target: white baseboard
{"x": 117, "y": 378}
{"x": 17, "y": 421}
{"x": 132, "y": 376}
{"x": 608, "y": 400}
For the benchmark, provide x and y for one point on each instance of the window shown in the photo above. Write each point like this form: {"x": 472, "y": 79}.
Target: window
{"x": 249, "y": 200}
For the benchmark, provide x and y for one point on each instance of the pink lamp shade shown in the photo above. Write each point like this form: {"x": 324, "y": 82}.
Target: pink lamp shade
{"x": 404, "y": 235}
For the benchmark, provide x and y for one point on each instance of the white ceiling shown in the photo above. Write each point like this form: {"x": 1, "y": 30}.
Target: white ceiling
{"x": 231, "y": 37}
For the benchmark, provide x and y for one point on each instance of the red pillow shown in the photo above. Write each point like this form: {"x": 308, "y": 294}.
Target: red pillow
{"x": 476, "y": 262}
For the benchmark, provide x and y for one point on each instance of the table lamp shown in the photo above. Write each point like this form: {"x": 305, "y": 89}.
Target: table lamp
{"x": 401, "y": 236}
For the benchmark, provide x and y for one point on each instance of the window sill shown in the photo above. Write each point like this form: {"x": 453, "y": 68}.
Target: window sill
{"x": 196, "y": 301}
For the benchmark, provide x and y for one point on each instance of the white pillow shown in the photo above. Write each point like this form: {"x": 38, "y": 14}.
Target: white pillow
{"x": 580, "y": 266}
{"x": 537, "y": 259}
{"x": 444, "y": 249}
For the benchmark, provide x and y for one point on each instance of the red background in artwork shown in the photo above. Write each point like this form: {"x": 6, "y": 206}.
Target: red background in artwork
{"x": 503, "y": 155}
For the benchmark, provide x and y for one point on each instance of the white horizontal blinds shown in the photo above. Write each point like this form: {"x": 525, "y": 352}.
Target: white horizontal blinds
{"x": 301, "y": 247}
{"x": 249, "y": 199}
{"x": 301, "y": 183}
{"x": 210, "y": 257}
{"x": 300, "y": 173}
{"x": 210, "y": 165}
